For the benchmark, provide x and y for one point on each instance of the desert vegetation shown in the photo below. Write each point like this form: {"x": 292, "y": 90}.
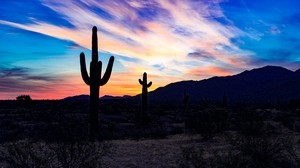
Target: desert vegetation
{"x": 214, "y": 136}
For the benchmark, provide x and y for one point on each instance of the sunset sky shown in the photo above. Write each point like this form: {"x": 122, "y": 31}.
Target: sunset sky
{"x": 171, "y": 40}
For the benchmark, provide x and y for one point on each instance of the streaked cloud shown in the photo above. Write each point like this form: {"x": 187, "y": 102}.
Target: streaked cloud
{"x": 177, "y": 40}
{"x": 128, "y": 34}
{"x": 15, "y": 80}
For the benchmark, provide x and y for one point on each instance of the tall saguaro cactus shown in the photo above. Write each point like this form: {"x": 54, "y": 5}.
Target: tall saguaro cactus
{"x": 145, "y": 85}
{"x": 94, "y": 81}
{"x": 186, "y": 98}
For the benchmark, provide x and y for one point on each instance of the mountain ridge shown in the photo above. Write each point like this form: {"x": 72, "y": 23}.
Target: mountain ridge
{"x": 265, "y": 84}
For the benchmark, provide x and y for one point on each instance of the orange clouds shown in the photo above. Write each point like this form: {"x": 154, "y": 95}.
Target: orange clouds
{"x": 210, "y": 71}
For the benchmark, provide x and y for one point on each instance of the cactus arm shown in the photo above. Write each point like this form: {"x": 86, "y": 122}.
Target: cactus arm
{"x": 84, "y": 73}
{"x": 141, "y": 82}
{"x": 107, "y": 73}
{"x": 149, "y": 84}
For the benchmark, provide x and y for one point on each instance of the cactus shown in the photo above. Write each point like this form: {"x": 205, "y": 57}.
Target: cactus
{"x": 94, "y": 81}
{"x": 184, "y": 113}
{"x": 145, "y": 85}
{"x": 224, "y": 102}
{"x": 185, "y": 99}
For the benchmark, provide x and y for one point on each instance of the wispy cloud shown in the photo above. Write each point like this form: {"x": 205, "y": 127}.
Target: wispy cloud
{"x": 16, "y": 80}
{"x": 173, "y": 39}
{"x": 179, "y": 28}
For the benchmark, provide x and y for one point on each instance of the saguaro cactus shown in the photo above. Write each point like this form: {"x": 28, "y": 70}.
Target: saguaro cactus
{"x": 224, "y": 102}
{"x": 186, "y": 98}
{"x": 94, "y": 81}
{"x": 145, "y": 85}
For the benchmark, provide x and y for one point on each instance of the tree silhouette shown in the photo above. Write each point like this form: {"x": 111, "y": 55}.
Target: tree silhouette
{"x": 23, "y": 98}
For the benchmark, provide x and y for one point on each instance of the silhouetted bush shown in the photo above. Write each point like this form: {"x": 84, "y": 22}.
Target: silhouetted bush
{"x": 250, "y": 122}
{"x": 208, "y": 122}
{"x": 260, "y": 152}
{"x": 23, "y": 98}
{"x": 25, "y": 154}
{"x": 192, "y": 157}
{"x": 24, "y": 101}
{"x": 244, "y": 152}
{"x": 28, "y": 154}
{"x": 78, "y": 154}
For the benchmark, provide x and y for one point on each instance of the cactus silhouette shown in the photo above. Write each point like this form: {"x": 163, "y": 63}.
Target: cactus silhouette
{"x": 224, "y": 102}
{"x": 94, "y": 81}
{"x": 186, "y": 98}
{"x": 145, "y": 85}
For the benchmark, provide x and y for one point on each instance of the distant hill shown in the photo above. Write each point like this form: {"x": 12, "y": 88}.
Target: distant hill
{"x": 263, "y": 85}
{"x": 87, "y": 97}
{"x": 78, "y": 97}
{"x": 108, "y": 97}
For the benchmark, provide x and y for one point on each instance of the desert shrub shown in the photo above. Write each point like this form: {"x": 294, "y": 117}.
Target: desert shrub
{"x": 245, "y": 152}
{"x": 153, "y": 130}
{"x": 230, "y": 159}
{"x": 23, "y": 98}
{"x": 27, "y": 154}
{"x": 263, "y": 152}
{"x": 78, "y": 154}
{"x": 195, "y": 157}
{"x": 24, "y": 101}
{"x": 208, "y": 122}
{"x": 192, "y": 157}
{"x": 65, "y": 127}
{"x": 288, "y": 118}
{"x": 250, "y": 122}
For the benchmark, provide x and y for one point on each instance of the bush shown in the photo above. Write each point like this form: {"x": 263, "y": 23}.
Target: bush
{"x": 245, "y": 151}
{"x": 23, "y": 98}
{"x": 78, "y": 154}
{"x": 24, "y": 101}
{"x": 250, "y": 122}
{"x": 26, "y": 154}
{"x": 208, "y": 122}
{"x": 263, "y": 152}
{"x": 192, "y": 157}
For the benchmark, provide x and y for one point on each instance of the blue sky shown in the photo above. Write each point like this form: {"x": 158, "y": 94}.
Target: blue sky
{"x": 173, "y": 40}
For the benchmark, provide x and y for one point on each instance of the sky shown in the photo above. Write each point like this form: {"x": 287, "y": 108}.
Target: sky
{"x": 171, "y": 40}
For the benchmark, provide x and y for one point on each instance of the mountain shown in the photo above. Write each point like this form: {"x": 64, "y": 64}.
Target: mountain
{"x": 260, "y": 85}
{"x": 77, "y": 97}
{"x": 266, "y": 84}
{"x": 108, "y": 97}
{"x": 87, "y": 97}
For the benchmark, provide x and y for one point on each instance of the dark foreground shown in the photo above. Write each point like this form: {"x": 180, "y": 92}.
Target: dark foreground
{"x": 54, "y": 134}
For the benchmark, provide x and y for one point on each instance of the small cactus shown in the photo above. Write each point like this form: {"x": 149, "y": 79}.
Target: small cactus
{"x": 94, "y": 81}
{"x": 185, "y": 99}
{"x": 225, "y": 101}
{"x": 145, "y": 85}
